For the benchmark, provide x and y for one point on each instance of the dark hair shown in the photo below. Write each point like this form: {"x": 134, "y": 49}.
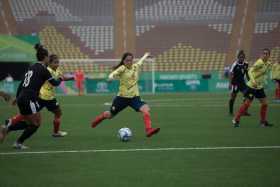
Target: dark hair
{"x": 122, "y": 60}
{"x": 53, "y": 57}
{"x": 240, "y": 53}
{"x": 266, "y": 49}
{"x": 41, "y": 52}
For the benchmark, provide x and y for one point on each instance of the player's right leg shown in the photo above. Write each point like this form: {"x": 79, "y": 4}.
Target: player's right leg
{"x": 29, "y": 108}
{"x": 34, "y": 121}
{"x": 249, "y": 94}
{"x": 119, "y": 103}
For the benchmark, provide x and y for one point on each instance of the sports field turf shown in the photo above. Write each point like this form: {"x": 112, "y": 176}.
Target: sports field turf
{"x": 197, "y": 146}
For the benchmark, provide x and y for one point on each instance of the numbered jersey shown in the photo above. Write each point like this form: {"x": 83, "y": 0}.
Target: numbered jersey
{"x": 239, "y": 70}
{"x": 34, "y": 78}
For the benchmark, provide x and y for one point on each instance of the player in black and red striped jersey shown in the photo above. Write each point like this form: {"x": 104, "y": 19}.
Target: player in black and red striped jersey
{"x": 27, "y": 98}
{"x": 238, "y": 72}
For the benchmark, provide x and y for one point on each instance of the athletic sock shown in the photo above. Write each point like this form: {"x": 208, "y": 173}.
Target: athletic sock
{"x": 18, "y": 126}
{"x": 231, "y": 102}
{"x": 244, "y": 107}
{"x": 263, "y": 112}
{"x": 17, "y": 118}
{"x": 278, "y": 93}
{"x": 56, "y": 125}
{"x": 147, "y": 120}
{"x": 98, "y": 119}
{"x": 28, "y": 132}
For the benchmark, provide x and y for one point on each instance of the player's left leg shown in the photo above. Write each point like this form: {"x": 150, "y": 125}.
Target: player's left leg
{"x": 145, "y": 110}
{"x": 242, "y": 89}
{"x": 231, "y": 102}
{"x": 119, "y": 103}
{"x": 263, "y": 113}
{"x": 57, "y": 122}
{"x": 249, "y": 94}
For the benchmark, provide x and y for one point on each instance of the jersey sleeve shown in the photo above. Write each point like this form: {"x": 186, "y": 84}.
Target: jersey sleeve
{"x": 141, "y": 61}
{"x": 51, "y": 79}
{"x": 19, "y": 88}
{"x": 117, "y": 72}
{"x": 47, "y": 74}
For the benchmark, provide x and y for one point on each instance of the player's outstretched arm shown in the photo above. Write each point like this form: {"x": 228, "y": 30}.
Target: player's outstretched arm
{"x": 143, "y": 58}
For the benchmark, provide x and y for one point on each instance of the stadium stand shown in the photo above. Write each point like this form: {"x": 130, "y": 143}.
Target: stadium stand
{"x": 30, "y": 8}
{"x": 58, "y": 44}
{"x": 182, "y": 34}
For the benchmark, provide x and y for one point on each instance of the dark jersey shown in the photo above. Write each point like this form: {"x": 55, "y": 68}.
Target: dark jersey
{"x": 238, "y": 71}
{"x": 34, "y": 78}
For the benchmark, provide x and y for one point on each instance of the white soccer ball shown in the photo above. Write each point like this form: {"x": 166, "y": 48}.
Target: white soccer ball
{"x": 124, "y": 134}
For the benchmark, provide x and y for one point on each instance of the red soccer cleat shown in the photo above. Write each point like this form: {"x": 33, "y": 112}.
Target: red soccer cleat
{"x": 150, "y": 132}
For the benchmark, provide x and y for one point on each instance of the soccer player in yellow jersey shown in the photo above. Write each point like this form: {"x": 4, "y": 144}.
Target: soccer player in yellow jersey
{"x": 128, "y": 74}
{"x": 276, "y": 78}
{"x": 255, "y": 88}
{"x": 47, "y": 96}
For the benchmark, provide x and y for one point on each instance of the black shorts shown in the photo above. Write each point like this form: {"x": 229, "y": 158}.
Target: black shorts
{"x": 51, "y": 105}
{"x": 28, "y": 104}
{"x": 120, "y": 103}
{"x": 235, "y": 88}
{"x": 250, "y": 93}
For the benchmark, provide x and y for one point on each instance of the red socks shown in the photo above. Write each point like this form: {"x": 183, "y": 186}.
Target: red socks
{"x": 244, "y": 107}
{"x": 277, "y": 93}
{"x": 56, "y": 125}
{"x": 98, "y": 120}
{"x": 263, "y": 112}
{"x": 147, "y": 120}
{"x": 17, "y": 118}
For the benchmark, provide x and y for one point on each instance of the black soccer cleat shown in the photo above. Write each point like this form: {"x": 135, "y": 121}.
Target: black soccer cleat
{"x": 266, "y": 124}
{"x": 235, "y": 123}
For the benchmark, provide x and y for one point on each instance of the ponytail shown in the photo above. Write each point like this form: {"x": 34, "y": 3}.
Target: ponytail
{"x": 41, "y": 52}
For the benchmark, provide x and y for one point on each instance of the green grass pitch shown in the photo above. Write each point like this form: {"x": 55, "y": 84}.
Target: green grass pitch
{"x": 187, "y": 121}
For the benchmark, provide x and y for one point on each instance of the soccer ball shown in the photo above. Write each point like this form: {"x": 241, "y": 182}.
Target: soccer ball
{"x": 124, "y": 134}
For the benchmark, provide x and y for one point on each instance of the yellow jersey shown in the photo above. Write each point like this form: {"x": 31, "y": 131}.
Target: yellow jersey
{"x": 47, "y": 91}
{"x": 128, "y": 78}
{"x": 257, "y": 74}
{"x": 276, "y": 71}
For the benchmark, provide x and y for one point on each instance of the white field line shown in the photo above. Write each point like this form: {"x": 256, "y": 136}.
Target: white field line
{"x": 140, "y": 150}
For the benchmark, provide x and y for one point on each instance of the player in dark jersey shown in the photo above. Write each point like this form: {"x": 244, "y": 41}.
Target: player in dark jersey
{"x": 238, "y": 71}
{"x": 27, "y": 97}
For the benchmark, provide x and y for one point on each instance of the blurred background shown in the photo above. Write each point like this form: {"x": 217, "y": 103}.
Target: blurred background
{"x": 193, "y": 42}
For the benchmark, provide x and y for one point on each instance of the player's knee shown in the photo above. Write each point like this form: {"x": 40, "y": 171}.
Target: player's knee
{"x": 265, "y": 104}
{"x": 108, "y": 115}
{"x": 58, "y": 114}
{"x": 145, "y": 109}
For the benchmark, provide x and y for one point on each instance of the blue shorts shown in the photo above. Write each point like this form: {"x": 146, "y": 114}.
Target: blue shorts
{"x": 51, "y": 105}
{"x": 120, "y": 103}
{"x": 250, "y": 93}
